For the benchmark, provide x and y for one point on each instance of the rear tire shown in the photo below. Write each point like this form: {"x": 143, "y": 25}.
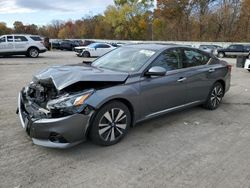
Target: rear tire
{"x": 33, "y": 52}
{"x": 215, "y": 97}
{"x": 110, "y": 124}
{"x": 86, "y": 54}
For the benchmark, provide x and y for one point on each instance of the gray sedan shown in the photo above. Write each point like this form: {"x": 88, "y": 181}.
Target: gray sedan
{"x": 64, "y": 105}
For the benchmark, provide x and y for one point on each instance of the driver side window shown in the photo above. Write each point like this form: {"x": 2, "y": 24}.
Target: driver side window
{"x": 169, "y": 59}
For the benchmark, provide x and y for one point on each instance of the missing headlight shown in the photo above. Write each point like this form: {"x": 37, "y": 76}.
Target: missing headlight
{"x": 69, "y": 104}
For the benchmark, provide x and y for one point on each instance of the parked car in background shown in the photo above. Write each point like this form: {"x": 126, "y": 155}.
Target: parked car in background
{"x": 93, "y": 50}
{"x": 69, "y": 44}
{"x": 55, "y": 44}
{"x": 118, "y": 44}
{"x": 210, "y": 48}
{"x": 87, "y": 42}
{"x": 247, "y": 65}
{"x": 17, "y": 44}
{"x": 65, "y": 105}
{"x": 243, "y": 62}
{"x": 234, "y": 50}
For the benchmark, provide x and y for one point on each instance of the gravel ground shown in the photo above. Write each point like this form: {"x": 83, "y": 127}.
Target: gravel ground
{"x": 191, "y": 148}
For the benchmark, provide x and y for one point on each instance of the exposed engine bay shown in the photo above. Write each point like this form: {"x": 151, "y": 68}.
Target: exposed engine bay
{"x": 44, "y": 100}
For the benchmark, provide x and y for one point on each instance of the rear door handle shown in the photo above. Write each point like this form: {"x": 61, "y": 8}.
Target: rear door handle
{"x": 211, "y": 70}
{"x": 181, "y": 79}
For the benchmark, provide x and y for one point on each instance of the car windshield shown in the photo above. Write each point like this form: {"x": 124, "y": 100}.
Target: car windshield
{"x": 125, "y": 59}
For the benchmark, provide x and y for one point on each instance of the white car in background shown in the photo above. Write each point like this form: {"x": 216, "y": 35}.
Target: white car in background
{"x": 247, "y": 65}
{"x": 17, "y": 44}
{"x": 94, "y": 50}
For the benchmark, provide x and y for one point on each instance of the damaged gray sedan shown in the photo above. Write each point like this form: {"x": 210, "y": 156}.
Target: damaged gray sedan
{"x": 64, "y": 105}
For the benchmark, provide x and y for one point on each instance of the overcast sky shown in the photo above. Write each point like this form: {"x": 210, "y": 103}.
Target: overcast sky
{"x": 41, "y": 12}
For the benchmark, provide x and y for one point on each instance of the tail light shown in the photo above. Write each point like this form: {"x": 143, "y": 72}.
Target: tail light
{"x": 229, "y": 67}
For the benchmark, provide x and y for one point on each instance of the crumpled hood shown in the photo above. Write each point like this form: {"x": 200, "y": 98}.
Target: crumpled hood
{"x": 64, "y": 76}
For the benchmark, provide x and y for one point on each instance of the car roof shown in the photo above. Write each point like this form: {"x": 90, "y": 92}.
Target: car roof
{"x": 154, "y": 46}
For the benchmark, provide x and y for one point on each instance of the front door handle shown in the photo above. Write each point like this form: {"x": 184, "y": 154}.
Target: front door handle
{"x": 181, "y": 79}
{"x": 211, "y": 70}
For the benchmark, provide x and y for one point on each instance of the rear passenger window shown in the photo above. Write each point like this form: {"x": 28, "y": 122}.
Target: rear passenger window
{"x": 36, "y": 38}
{"x": 194, "y": 58}
{"x": 9, "y": 38}
{"x": 105, "y": 46}
{"x": 20, "y": 38}
{"x": 170, "y": 60}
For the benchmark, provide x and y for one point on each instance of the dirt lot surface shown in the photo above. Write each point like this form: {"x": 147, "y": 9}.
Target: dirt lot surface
{"x": 191, "y": 148}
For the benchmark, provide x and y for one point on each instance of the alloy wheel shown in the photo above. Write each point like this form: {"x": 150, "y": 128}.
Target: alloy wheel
{"x": 216, "y": 96}
{"x": 33, "y": 52}
{"x": 113, "y": 124}
{"x": 221, "y": 55}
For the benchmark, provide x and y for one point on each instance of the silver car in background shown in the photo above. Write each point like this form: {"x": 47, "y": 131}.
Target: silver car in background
{"x": 65, "y": 105}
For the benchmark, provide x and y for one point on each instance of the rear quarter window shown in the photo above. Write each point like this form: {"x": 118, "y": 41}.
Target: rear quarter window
{"x": 2, "y": 39}
{"x": 36, "y": 38}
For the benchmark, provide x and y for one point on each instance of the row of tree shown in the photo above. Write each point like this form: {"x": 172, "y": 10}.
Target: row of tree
{"x": 203, "y": 20}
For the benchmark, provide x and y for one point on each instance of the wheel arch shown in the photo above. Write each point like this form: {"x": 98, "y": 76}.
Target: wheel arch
{"x": 32, "y": 47}
{"x": 119, "y": 99}
{"x": 124, "y": 101}
{"x": 222, "y": 82}
{"x": 222, "y": 52}
{"x": 87, "y": 52}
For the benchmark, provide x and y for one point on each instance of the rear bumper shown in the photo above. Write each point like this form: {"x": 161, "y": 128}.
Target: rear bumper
{"x": 61, "y": 132}
{"x": 42, "y": 51}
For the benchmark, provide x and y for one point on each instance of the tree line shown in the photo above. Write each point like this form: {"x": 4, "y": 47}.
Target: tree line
{"x": 192, "y": 20}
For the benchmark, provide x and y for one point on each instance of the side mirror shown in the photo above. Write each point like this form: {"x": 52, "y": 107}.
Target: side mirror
{"x": 156, "y": 71}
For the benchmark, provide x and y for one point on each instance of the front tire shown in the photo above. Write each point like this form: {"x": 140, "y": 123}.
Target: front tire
{"x": 33, "y": 52}
{"x": 221, "y": 55}
{"x": 110, "y": 124}
{"x": 215, "y": 96}
{"x": 86, "y": 54}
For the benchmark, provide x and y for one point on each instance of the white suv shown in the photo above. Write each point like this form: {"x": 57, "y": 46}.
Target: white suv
{"x": 16, "y": 44}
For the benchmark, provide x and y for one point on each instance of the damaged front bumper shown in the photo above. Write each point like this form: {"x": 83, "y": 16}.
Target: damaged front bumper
{"x": 60, "y": 132}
